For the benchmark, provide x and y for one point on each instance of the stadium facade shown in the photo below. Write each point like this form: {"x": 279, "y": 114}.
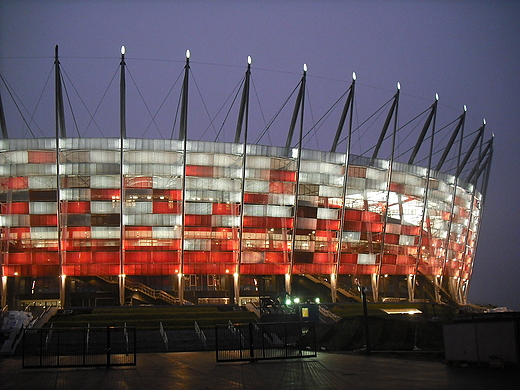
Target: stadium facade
{"x": 233, "y": 221}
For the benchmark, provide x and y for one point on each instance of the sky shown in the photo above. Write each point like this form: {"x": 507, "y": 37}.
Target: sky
{"x": 467, "y": 52}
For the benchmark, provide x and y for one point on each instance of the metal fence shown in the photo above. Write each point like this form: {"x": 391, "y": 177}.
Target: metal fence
{"x": 77, "y": 347}
{"x": 259, "y": 341}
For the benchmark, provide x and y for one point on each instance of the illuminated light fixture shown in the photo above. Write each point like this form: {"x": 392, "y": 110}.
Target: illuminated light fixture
{"x": 465, "y": 108}
{"x": 402, "y": 311}
{"x": 123, "y": 50}
{"x": 437, "y": 96}
{"x": 354, "y": 76}
{"x": 63, "y": 276}
{"x": 235, "y": 274}
{"x": 188, "y": 54}
{"x": 122, "y": 275}
{"x": 249, "y": 60}
{"x": 296, "y": 300}
{"x": 398, "y": 86}
{"x": 16, "y": 274}
{"x": 484, "y": 121}
{"x": 176, "y": 271}
{"x": 288, "y": 301}
{"x": 227, "y": 271}
{"x": 305, "y": 67}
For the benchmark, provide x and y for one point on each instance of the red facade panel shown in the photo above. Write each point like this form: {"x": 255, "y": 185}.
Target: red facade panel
{"x": 16, "y": 208}
{"x": 75, "y": 207}
{"x": 14, "y": 183}
{"x": 42, "y": 157}
{"x": 280, "y": 175}
{"x": 167, "y": 207}
{"x": 199, "y": 170}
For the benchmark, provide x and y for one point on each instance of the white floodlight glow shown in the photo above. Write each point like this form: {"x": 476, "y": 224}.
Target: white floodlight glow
{"x": 188, "y": 54}
{"x": 398, "y": 86}
{"x": 305, "y": 67}
{"x": 465, "y": 108}
{"x": 123, "y": 50}
{"x": 484, "y": 121}
{"x": 437, "y": 96}
{"x": 354, "y": 76}
{"x": 249, "y": 60}
{"x": 288, "y": 302}
{"x": 296, "y": 300}
{"x": 317, "y": 300}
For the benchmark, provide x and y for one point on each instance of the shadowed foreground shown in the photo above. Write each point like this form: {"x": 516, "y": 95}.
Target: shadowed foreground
{"x": 198, "y": 370}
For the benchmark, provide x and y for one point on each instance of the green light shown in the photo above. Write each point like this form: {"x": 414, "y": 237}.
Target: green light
{"x": 288, "y": 302}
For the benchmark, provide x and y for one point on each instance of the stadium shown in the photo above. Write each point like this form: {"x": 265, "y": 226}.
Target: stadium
{"x": 116, "y": 221}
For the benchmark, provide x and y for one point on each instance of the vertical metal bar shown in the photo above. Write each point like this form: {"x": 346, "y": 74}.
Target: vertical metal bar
{"x": 345, "y": 186}
{"x": 251, "y": 341}
{"x": 108, "y": 347}
{"x": 298, "y": 168}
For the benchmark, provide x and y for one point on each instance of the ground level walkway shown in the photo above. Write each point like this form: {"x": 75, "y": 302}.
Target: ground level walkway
{"x": 199, "y": 370}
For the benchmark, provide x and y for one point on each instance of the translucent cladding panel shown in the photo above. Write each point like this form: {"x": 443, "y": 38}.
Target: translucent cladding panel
{"x": 109, "y": 207}
{"x": 221, "y": 184}
{"x": 328, "y": 191}
{"x": 255, "y": 210}
{"x": 281, "y": 199}
{"x": 366, "y": 258}
{"x": 167, "y": 182}
{"x": 152, "y": 220}
{"x": 213, "y": 196}
{"x": 105, "y": 181}
{"x": 14, "y": 220}
{"x": 42, "y": 182}
{"x": 197, "y": 245}
{"x": 138, "y": 207}
{"x": 32, "y": 169}
{"x": 226, "y": 160}
{"x": 199, "y": 159}
{"x": 15, "y": 157}
{"x": 351, "y": 236}
{"x": 321, "y": 167}
{"x": 279, "y": 211}
{"x": 105, "y": 232}
{"x": 328, "y": 213}
{"x": 43, "y": 207}
{"x": 44, "y": 233}
{"x": 164, "y": 232}
{"x": 105, "y": 156}
{"x": 257, "y": 174}
{"x": 153, "y": 157}
{"x": 258, "y": 162}
{"x": 229, "y": 172}
{"x": 199, "y": 208}
{"x": 152, "y": 169}
{"x": 257, "y": 186}
{"x": 92, "y": 144}
{"x": 225, "y": 220}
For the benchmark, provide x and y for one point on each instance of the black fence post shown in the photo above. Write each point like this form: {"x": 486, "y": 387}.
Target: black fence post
{"x": 251, "y": 341}
{"x": 108, "y": 346}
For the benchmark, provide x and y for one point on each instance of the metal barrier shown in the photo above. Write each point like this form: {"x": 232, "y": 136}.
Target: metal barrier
{"x": 260, "y": 341}
{"x": 79, "y": 347}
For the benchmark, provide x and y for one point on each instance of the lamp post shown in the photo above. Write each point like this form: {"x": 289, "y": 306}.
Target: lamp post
{"x": 365, "y": 317}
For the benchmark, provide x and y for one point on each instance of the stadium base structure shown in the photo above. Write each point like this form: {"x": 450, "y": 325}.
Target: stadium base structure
{"x": 103, "y": 221}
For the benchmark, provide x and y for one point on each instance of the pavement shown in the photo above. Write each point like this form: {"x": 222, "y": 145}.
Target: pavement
{"x": 199, "y": 370}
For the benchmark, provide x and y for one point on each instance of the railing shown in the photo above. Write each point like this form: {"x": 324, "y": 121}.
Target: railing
{"x": 79, "y": 347}
{"x": 142, "y": 288}
{"x": 201, "y": 335}
{"x": 260, "y": 341}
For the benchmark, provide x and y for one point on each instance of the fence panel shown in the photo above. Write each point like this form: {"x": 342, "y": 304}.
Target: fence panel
{"x": 259, "y": 341}
{"x": 76, "y": 347}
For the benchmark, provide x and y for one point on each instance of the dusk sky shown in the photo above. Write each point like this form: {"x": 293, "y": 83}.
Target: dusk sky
{"x": 466, "y": 51}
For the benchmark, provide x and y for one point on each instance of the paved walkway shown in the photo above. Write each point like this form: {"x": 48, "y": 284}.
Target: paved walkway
{"x": 199, "y": 370}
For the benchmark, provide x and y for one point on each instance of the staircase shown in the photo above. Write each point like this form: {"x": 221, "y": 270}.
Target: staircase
{"x": 354, "y": 294}
{"x": 142, "y": 288}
